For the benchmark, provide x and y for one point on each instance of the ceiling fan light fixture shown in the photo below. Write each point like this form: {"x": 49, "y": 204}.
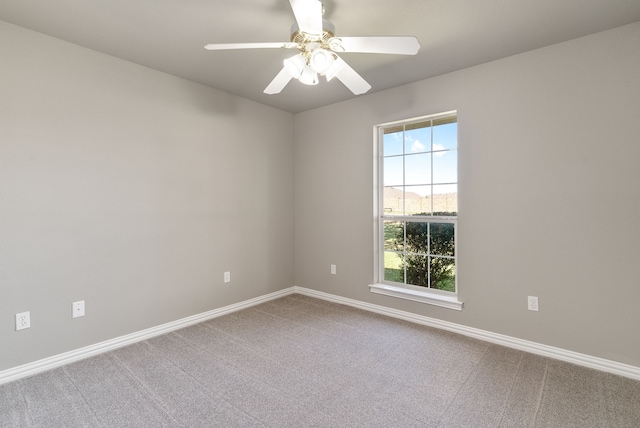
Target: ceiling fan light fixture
{"x": 309, "y": 76}
{"x": 314, "y": 38}
{"x": 321, "y": 60}
{"x": 295, "y": 65}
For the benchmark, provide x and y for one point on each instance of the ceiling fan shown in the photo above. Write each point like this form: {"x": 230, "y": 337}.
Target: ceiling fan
{"x": 315, "y": 38}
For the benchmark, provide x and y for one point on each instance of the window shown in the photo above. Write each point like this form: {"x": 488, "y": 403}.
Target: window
{"x": 417, "y": 209}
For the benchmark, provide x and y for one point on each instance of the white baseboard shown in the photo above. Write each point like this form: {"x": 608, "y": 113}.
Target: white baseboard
{"x": 50, "y": 363}
{"x": 597, "y": 363}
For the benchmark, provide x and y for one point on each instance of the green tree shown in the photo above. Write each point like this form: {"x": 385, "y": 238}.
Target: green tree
{"x": 425, "y": 242}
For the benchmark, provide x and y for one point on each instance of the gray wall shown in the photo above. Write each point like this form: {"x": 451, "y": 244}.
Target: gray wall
{"x": 132, "y": 190}
{"x": 549, "y": 195}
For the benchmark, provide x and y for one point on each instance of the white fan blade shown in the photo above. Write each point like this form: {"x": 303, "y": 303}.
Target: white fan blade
{"x": 351, "y": 79}
{"x": 279, "y": 82}
{"x": 225, "y": 46}
{"x": 383, "y": 45}
{"x": 308, "y": 15}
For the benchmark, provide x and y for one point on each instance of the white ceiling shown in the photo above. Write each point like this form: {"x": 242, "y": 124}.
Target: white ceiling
{"x": 169, "y": 35}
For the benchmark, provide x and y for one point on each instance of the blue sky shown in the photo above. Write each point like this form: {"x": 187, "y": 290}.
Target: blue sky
{"x": 421, "y": 153}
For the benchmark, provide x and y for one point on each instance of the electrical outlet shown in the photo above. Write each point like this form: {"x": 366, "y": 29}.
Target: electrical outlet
{"x": 532, "y": 302}
{"x": 23, "y": 320}
{"x": 77, "y": 309}
{"x": 333, "y": 269}
{"x": 227, "y": 277}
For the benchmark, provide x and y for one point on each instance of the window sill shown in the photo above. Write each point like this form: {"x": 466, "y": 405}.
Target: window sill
{"x": 450, "y": 302}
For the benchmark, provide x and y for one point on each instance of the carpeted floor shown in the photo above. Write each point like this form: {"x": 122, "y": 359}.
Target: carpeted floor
{"x": 303, "y": 362}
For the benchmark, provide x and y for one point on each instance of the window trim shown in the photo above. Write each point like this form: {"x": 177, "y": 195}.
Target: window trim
{"x": 430, "y": 296}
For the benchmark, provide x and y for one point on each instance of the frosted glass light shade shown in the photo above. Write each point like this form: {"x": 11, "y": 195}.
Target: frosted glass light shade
{"x": 308, "y": 76}
{"x": 321, "y": 60}
{"x": 295, "y": 65}
{"x": 333, "y": 69}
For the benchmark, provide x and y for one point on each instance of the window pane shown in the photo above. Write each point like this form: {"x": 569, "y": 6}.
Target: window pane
{"x": 418, "y": 200}
{"x": 392, "y": 144}
{"x": 443, "y": 273}
{"x": 417, "y": 169}
{"x": 445, "y": 166}
{"x": 394, "y": 235}
{"x": 417, "y": 238}
{"x": 393, "y": 202}
{"x": 445, "y": 200}
{"x": 393, "y": 267}
{"x": 417, "y": 138}
{"x": 418, "y": 270}
{"x": 445, "y": 135}
{"x": 393, "y": 171}
{"x": 441, "y": 240}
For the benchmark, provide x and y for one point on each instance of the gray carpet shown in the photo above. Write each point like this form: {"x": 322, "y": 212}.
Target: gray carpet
{"x": 303, "y": 362}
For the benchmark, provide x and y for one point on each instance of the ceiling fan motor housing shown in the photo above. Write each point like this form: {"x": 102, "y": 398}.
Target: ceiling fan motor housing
{"x": 301, "y": 38}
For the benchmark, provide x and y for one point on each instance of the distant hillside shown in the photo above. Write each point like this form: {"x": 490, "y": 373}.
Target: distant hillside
{"x": 415, "y": 203}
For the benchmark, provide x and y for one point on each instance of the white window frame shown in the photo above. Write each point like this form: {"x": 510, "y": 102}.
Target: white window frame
{"x": 430, "y": 296}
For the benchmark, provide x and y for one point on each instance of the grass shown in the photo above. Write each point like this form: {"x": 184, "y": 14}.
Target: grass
{"x": 395, "y": 275}
{"x": 394, "y": 271}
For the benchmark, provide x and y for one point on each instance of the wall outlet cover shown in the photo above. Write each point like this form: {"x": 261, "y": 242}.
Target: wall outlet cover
{"x": 23, "y": 320}
{"x": 77, "y": 309}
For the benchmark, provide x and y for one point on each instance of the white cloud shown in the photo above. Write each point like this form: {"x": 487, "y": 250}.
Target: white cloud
{"x": 417, "y": 146}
